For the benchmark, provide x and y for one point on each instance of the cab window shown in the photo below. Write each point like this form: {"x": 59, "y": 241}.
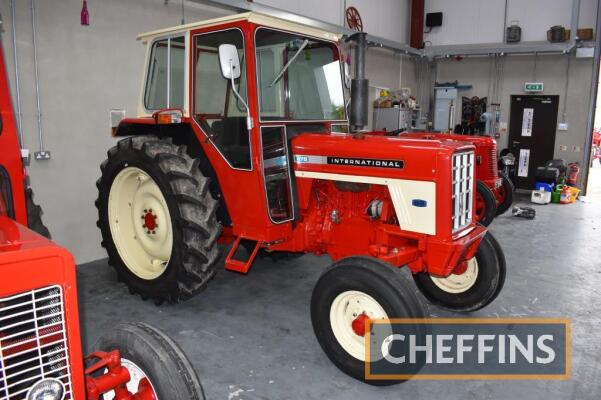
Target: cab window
{"x": 218, "y": 111}
{"x": 165, "y": 82}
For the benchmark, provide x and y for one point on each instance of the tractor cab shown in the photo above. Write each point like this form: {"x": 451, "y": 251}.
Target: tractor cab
{"x": 284, "y": 79}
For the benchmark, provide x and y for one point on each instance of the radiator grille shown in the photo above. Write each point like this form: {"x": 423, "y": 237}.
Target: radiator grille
{"x": 33, "y": 343}
{"x": 492, "y": 167}
{"x": 463, "y": 183}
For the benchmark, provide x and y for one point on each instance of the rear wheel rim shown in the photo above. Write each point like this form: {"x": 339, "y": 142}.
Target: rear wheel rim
{"x": 459, "y": 283}
{"x": 346, "y": 308}
{"x": 138, "y": 381}
{"x": 140, "y": 223}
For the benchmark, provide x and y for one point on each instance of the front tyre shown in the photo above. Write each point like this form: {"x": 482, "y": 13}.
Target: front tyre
{"x": 155, "y": 363}
{"x": 486, "y": 204}
{"x": 349, "y": 292}
{"x": 505, "y": 194}
{"x": 157, "y": 219}
{"x": 476, "y": 286}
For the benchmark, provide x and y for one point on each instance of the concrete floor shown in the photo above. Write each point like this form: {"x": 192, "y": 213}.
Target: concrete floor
{"x": 250, "y": 337}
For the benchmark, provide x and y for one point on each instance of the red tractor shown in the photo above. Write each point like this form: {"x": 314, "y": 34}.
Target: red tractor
{"x": 16, "y": 198}
{"x": 242, "y": 137}
{"x": 494, "y": 189}
{"x": 40, "y": 340}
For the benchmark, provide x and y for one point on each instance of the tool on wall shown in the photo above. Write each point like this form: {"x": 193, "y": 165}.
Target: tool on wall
{"x": 353, "y": 19}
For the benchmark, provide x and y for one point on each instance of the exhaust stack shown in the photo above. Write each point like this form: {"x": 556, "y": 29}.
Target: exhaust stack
{"x": 359, "y": 84}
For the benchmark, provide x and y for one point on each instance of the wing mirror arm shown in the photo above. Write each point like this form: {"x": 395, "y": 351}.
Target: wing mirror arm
{"x": 249, "y": 120}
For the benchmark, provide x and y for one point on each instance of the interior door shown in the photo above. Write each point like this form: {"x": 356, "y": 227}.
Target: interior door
{"x": 532, "y": 129}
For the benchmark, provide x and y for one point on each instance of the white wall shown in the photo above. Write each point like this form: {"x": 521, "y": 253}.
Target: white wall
{"x": 481, "y": 21}
{"x": 385, "y": 18}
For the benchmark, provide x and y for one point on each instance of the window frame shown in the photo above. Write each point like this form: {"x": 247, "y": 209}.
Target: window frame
{"x": 147, "y": 71}
{"x": 289, "y": 172}
{"x": 258, "y": 83}
{"x": 192, "y": 92}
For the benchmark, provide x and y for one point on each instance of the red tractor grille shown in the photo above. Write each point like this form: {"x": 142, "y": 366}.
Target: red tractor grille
{"x": 492, "y": 166}
{"x": 33, "y": 343}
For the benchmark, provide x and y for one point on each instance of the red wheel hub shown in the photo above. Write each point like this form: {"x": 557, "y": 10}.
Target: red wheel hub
{"x": 359, "y": 324}
{"x": 150, "y": 220}
{"x": 145, "y": 391}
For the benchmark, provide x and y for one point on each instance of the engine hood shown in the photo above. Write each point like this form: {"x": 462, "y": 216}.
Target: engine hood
{"x": 370, "y": 155}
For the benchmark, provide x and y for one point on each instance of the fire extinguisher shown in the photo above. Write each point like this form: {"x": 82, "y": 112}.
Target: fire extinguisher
{"x": 573, "y": 172}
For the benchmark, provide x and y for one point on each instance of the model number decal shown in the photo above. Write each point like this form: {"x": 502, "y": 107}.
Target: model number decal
{"x": 366, "y": 162}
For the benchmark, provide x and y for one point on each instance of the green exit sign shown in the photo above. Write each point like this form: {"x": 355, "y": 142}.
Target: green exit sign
{"x": 536, "y": 87}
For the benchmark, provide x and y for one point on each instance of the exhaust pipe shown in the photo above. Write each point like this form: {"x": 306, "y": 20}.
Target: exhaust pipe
{"x": 359, "y": 85}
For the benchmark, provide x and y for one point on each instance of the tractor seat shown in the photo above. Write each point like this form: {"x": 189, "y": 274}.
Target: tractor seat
{"x": 232, "y": 138}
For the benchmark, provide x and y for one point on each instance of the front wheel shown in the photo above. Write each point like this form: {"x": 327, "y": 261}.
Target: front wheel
{"x": 486, "y": 204}
{"x": 155, "y": 363}
{"x": 351, "y": 291}
{"x": 478, "y": 283}
{"x": 505, "y": 194}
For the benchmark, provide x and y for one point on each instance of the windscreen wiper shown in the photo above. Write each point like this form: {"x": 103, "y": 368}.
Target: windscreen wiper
{"x": 301, "y": 48}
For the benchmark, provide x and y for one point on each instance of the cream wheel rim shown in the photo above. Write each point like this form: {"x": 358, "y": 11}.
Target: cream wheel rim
{"x": 136, "y": 374}
{"x": 345, "y": 308}
{"x": 140, "y": 223}
{"x": 459, "y": 283}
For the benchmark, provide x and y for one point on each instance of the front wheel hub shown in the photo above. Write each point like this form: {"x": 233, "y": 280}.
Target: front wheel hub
{"x": 359, "y": 324}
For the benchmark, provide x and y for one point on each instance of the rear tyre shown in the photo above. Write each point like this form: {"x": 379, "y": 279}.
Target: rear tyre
{"x": 154, "y": 361}
{"x": 505, "y": 194}
{"x": 34, "y": 215}
{"x": 475, "y": 288}
{"x": 157, "y": 219}
{"x": 486, "y": 204}
{"x": 354, "y": 287}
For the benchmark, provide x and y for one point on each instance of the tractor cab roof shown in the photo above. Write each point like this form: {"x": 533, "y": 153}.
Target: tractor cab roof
{"x": 253, "y": 17}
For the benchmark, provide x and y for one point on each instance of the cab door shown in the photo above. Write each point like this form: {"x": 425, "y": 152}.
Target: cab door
{"x": 220, "y": 123}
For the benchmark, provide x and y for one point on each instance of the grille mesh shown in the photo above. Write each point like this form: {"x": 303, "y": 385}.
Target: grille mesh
{"x": 463, "y": 183}
{"x": 492, "y": 167}
{"x": 33, "y": 343}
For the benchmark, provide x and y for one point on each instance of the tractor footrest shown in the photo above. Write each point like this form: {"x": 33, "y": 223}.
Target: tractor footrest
{"x": 240, "y": 260}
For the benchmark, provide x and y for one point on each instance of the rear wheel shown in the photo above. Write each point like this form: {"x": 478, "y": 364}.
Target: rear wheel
{"x": 505, "y": 194}
{"x": 155, "y": 363}
{"x": 486, "y": 204}
{"x": 348, "y": 293}
{"x": 157, "y": 219}
{"x": 34, "y": 215}
{"x": 474, "y": 286}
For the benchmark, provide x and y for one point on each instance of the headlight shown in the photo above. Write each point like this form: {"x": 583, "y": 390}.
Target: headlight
{"x": 46, "y": 389}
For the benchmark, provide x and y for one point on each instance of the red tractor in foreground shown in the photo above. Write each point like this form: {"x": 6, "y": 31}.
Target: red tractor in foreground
{"x": 242, "y": 136}
{"x": 494, "y": 189}
{"x": 40, "y": 341}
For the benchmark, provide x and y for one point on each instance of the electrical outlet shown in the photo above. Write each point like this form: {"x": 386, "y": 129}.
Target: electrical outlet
{"x": 563, "y": 126}
{"x": 576, "y": 149}
{"x": 42, "y": 155}
{"x": 563, "y": 148}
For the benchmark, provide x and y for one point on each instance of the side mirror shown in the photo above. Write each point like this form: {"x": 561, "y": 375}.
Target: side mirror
{"x": 230, "y": 69}
{"x": 229, "y": 61}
